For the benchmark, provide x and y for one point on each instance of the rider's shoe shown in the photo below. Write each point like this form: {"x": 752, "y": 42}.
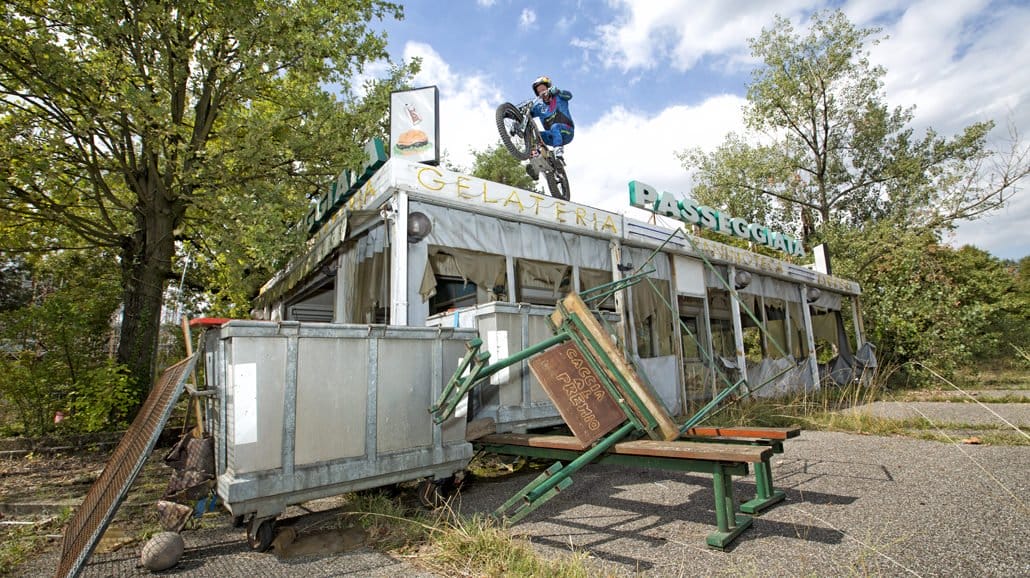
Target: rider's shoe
{"x": 532, "y": 172}
{"x": 559, "y": 153}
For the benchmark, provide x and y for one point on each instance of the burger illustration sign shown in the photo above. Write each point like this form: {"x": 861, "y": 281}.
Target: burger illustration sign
{"x": 414, "y": 125}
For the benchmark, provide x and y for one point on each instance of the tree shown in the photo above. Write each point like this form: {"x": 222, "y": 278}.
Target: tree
{"x": 53, "y": 347}
{"x": 826, "y": 154}
{"x": 495, "y": 163}
{"x": 826, "y": 147}
{"x": 147, "y": 128}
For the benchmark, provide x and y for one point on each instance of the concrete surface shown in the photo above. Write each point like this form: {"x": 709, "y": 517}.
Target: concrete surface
{"x": 856, "y": 505}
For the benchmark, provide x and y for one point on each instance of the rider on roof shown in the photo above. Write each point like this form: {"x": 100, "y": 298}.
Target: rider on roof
{"x": 553, "y": 111}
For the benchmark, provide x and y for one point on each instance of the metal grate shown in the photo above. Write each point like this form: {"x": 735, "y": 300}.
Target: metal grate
{"x": 87, "y": 525}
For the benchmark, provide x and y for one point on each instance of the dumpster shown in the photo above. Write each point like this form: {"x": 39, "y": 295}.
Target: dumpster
{"x": 302, "y": 411}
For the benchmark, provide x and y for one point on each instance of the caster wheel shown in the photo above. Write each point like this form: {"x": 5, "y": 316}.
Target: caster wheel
{"x": 431, "y": 494}
{"x": 260, "y": 533}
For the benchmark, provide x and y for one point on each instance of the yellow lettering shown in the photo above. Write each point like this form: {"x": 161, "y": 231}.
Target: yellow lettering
{"x": 485, "y": 199}
{"x": 536, "y": 204}
{"x": 559, "y": 211}
{"x": 438, "y": 184}
{"x": 581, "y": 213}
{"x": 460, "y": 183}
{"x": 609, "y": 225}
{"x": 471, "y": 196}
{"x": 517, "y": 201}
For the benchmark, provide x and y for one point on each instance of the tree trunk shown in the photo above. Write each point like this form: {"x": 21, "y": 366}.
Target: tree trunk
{"x": 146, "y": 265}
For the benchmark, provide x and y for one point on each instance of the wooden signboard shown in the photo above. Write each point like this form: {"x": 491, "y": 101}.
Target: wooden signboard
{"x": 652, "y": 407}
{"x": 577, "y": 392}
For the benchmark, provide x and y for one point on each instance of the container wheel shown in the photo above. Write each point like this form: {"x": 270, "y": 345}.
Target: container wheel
{"x": 260, "y": 533}
{"x": 430, "y": 493}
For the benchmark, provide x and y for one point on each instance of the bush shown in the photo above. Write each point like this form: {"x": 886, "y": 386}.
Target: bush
{"x": 103, "y": 399}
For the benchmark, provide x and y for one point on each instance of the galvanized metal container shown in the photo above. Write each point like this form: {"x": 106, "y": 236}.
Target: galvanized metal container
{"x": 514, "y": 398}
{"x": 311, "y": 410}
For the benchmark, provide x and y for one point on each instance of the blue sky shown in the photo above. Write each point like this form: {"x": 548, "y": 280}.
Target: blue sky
{"x": 651, "y": 78}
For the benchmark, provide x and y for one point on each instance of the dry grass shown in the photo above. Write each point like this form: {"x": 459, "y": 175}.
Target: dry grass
{"x": 832, "y": 408}
{"x": 447, "y": 544}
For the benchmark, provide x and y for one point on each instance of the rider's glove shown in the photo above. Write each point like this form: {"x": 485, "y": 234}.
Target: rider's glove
{"x": 553, "y": 90}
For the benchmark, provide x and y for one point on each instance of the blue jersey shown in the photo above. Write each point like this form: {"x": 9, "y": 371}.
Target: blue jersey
{"x": 556, "y": 111}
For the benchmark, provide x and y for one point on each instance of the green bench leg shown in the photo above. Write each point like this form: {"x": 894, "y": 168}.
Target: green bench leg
{"x": 730, "y": 523}
{"x": 765, "y": 496}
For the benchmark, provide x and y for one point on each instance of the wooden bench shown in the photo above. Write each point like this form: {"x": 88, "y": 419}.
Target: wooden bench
{"x": 722, "y": 460}
{"x": 766, "y": 495}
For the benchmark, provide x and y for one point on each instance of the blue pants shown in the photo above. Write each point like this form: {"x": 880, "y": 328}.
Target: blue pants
{"x": 558, "y": 135}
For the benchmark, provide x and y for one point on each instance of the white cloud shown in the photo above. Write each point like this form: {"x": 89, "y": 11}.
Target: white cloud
{"x": 959, "y": 64}
{"x": 527, "y": 19}
{"x": 957, "y": 61}
{"x": 678, "y": 33}
{"x": 486, "y": 3}
{"x": 467, "y": 104}
{"x": 623, "y": 146}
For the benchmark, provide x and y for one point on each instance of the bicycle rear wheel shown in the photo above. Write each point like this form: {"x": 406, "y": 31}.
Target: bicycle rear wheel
{"x": 509, "y": 125}
{"x": 558, "y": 181}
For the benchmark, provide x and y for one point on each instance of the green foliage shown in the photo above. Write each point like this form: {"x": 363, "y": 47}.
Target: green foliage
{"x": 827, "y": 156}
{"x": 157, "y": 130}
{"x": 102, "y": 399}
{"x": 14, "y": 291}
{"x": 824, "y": 147}
{"x": 57, "y": 342}
{"x": 923, "y": 301}
{"x": 496, "y": 164}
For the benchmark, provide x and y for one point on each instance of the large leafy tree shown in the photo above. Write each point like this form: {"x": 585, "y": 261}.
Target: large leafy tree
{"x": 825, "y": 147}
{"x": 826, "y": 154}
{"x": 154, "y": 129}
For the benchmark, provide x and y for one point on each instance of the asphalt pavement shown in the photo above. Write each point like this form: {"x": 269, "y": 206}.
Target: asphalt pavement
{"x": 856, "y": 505}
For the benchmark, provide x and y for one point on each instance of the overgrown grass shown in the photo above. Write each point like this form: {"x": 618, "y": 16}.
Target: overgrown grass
{"x": 479, "y": 547}
{"x": 21, "y": 542}
{"x": 448, "y": 544}
{"x": 1011, "y": 374}
{"x": 832, "y": 408}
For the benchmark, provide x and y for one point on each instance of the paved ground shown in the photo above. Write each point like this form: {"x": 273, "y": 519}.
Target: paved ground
{"x": 865, "y": 505}
{"x": 946, "y": 412}
{"x": 856, "y": 505}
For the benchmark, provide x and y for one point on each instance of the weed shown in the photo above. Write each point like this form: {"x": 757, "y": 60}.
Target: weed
{"x": 449, "y": 544}
{"x": 479, "y": 547}
{"x": 19, "y": 543}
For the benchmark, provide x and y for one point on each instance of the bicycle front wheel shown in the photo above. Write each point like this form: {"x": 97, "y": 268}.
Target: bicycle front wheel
{"x": 513, "y": 136}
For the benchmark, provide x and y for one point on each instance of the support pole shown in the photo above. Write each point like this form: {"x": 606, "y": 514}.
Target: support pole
{"x": 198, "y": 407}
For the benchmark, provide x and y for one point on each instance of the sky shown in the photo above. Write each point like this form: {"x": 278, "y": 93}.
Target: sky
{"x": 652, "y": 78}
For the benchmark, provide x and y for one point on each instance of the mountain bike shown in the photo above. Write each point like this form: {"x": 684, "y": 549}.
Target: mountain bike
{"x": 521, "y": 137}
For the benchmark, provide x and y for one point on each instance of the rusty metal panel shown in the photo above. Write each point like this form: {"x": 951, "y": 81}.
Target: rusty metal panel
{"x": 573, "y": 386}
{"x": 87, "y": 525}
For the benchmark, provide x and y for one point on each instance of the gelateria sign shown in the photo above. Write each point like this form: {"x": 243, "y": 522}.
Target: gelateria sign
{"x": 648, "y": 198}
{"x": 344, "y": 187}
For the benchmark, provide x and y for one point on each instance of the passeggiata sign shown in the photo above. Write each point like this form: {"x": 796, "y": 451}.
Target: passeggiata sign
{"x": 646, "y": 197}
